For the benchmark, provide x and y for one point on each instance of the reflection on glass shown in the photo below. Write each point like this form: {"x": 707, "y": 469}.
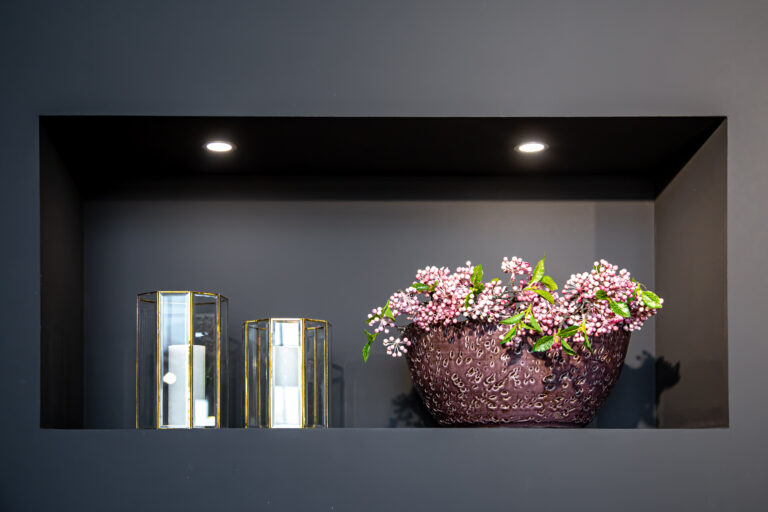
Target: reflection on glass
{"x": 174, "y": 342}
{"x": 286, "y": 367}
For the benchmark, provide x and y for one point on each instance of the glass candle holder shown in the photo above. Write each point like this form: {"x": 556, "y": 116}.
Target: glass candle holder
{"x": 287, "y": 363}
{"x": 180, "y": 339}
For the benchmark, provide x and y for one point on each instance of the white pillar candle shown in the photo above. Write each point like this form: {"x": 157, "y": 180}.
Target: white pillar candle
{"x": 202, "y": 418}
{"x": 178, "y": 397}
{"x": 286, "y": 376}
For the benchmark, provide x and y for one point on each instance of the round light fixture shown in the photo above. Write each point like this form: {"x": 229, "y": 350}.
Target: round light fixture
{"x": 219, "y": 146}
{"x": 531, "y": 147}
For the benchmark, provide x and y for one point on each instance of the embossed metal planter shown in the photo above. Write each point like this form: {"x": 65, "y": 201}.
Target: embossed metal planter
{"x": 465, "y": 378}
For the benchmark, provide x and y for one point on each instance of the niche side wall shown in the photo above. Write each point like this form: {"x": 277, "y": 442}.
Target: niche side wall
{"x": 61, "y": 293}
{"x": 691, "y": 275}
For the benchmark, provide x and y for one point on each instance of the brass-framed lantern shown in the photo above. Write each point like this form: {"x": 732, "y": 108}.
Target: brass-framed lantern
{"x": 180, "y": 339}
{"x": 287, "y": 378}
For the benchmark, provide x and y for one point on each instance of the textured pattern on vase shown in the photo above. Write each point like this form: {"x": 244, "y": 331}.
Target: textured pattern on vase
{"x": 466, "y": 378}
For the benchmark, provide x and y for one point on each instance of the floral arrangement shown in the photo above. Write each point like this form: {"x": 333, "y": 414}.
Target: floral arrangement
{"x": 592, "y": 303}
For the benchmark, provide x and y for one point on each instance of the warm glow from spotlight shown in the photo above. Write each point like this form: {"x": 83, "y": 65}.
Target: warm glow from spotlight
{"x": 531, "y": 147}
{"x": 219, "y": 146}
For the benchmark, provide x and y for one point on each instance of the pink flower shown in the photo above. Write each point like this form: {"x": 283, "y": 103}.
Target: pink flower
{"x": 588, "y": 300}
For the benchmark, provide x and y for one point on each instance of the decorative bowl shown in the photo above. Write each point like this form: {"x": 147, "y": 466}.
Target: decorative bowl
{"x": 465, "y": 377}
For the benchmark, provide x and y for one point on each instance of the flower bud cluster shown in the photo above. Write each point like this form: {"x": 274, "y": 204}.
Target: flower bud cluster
{"x": 396, "y": 347}
{"x": 581, "y": 290}
{"x": 516, "y": 266}
{"x": 440, "y": 297}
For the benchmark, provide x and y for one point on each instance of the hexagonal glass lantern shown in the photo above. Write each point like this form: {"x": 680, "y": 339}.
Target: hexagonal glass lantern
{"x": 287, "y": 363}
{"x": 180, "y": 339}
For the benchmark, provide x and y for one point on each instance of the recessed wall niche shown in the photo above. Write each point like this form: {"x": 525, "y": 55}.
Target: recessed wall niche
{"x": 323, "y": 217}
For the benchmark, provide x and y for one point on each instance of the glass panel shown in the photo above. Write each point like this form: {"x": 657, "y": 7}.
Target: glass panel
{"x": 174, "y": 343}
{"x": 316, "y": 335}
{"x": 286, "y": 374}
{"x": 255, "y": 359}
{"x": 323, "y": 374}
{"x": 146, "y": 366}
{"x": 259, "y": 374}
{"x": 204, "y": 368}
{"x": 225, "y": 419}
{"x": 310, "y": 372}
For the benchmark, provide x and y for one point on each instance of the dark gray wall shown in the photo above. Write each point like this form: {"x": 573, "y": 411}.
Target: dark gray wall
{"x": 690, "y": 253}
{"x": 395, "y": 58}
{"x": 337, "y": 260}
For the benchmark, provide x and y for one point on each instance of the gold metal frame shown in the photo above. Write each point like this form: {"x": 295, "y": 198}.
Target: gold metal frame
{"x": 159, "y": 355}
{"x": 303, "y": 381}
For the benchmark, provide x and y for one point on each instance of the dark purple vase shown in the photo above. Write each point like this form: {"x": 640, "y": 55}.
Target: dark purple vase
{"x": 465, "y": 378}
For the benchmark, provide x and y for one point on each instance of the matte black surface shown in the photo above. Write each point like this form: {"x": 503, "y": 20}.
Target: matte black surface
{"x": 337, "y": 157}
{"x": 394, "y": 58}
{"x": 61, "y": 292}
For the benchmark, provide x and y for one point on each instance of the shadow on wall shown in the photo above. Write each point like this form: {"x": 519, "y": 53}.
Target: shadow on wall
{"x": 408, "y": 410}
{"x": 337, "y": 396}
{"x": 630, "y": 405}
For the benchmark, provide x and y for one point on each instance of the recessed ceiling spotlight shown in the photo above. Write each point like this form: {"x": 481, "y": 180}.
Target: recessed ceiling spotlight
{"x": 219, "y": 146}
{"x": 531, "y": 147}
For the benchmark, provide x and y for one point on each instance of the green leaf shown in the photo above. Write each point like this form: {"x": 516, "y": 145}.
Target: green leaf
{"x": 544, "y": 344}
{"x": 421, "y": 287}
{"x": 466, "y": 300}
{"x": 367, "y": 347}
{"x": 535, "y": 324}
{"x": 529, "y": 327}
{"x": 549, "y": 283}
{"x": 374, "y": 317}
{"x": 619, "y": 308}
{"x": 601, "y": 295}
{"x": 546, "y": 295}
{"x": 583, "y": 331}
{"x": 567, "y": 348}
{"x": 651, "y": 300}
{"x": 477, "y": 276}
{"x": 568, "y": 331}
{"x": 538, "y": 271}
{"x": 387, "y": 312}
{"x": 513, "y": 319}
{"x": 509, "y": 335}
